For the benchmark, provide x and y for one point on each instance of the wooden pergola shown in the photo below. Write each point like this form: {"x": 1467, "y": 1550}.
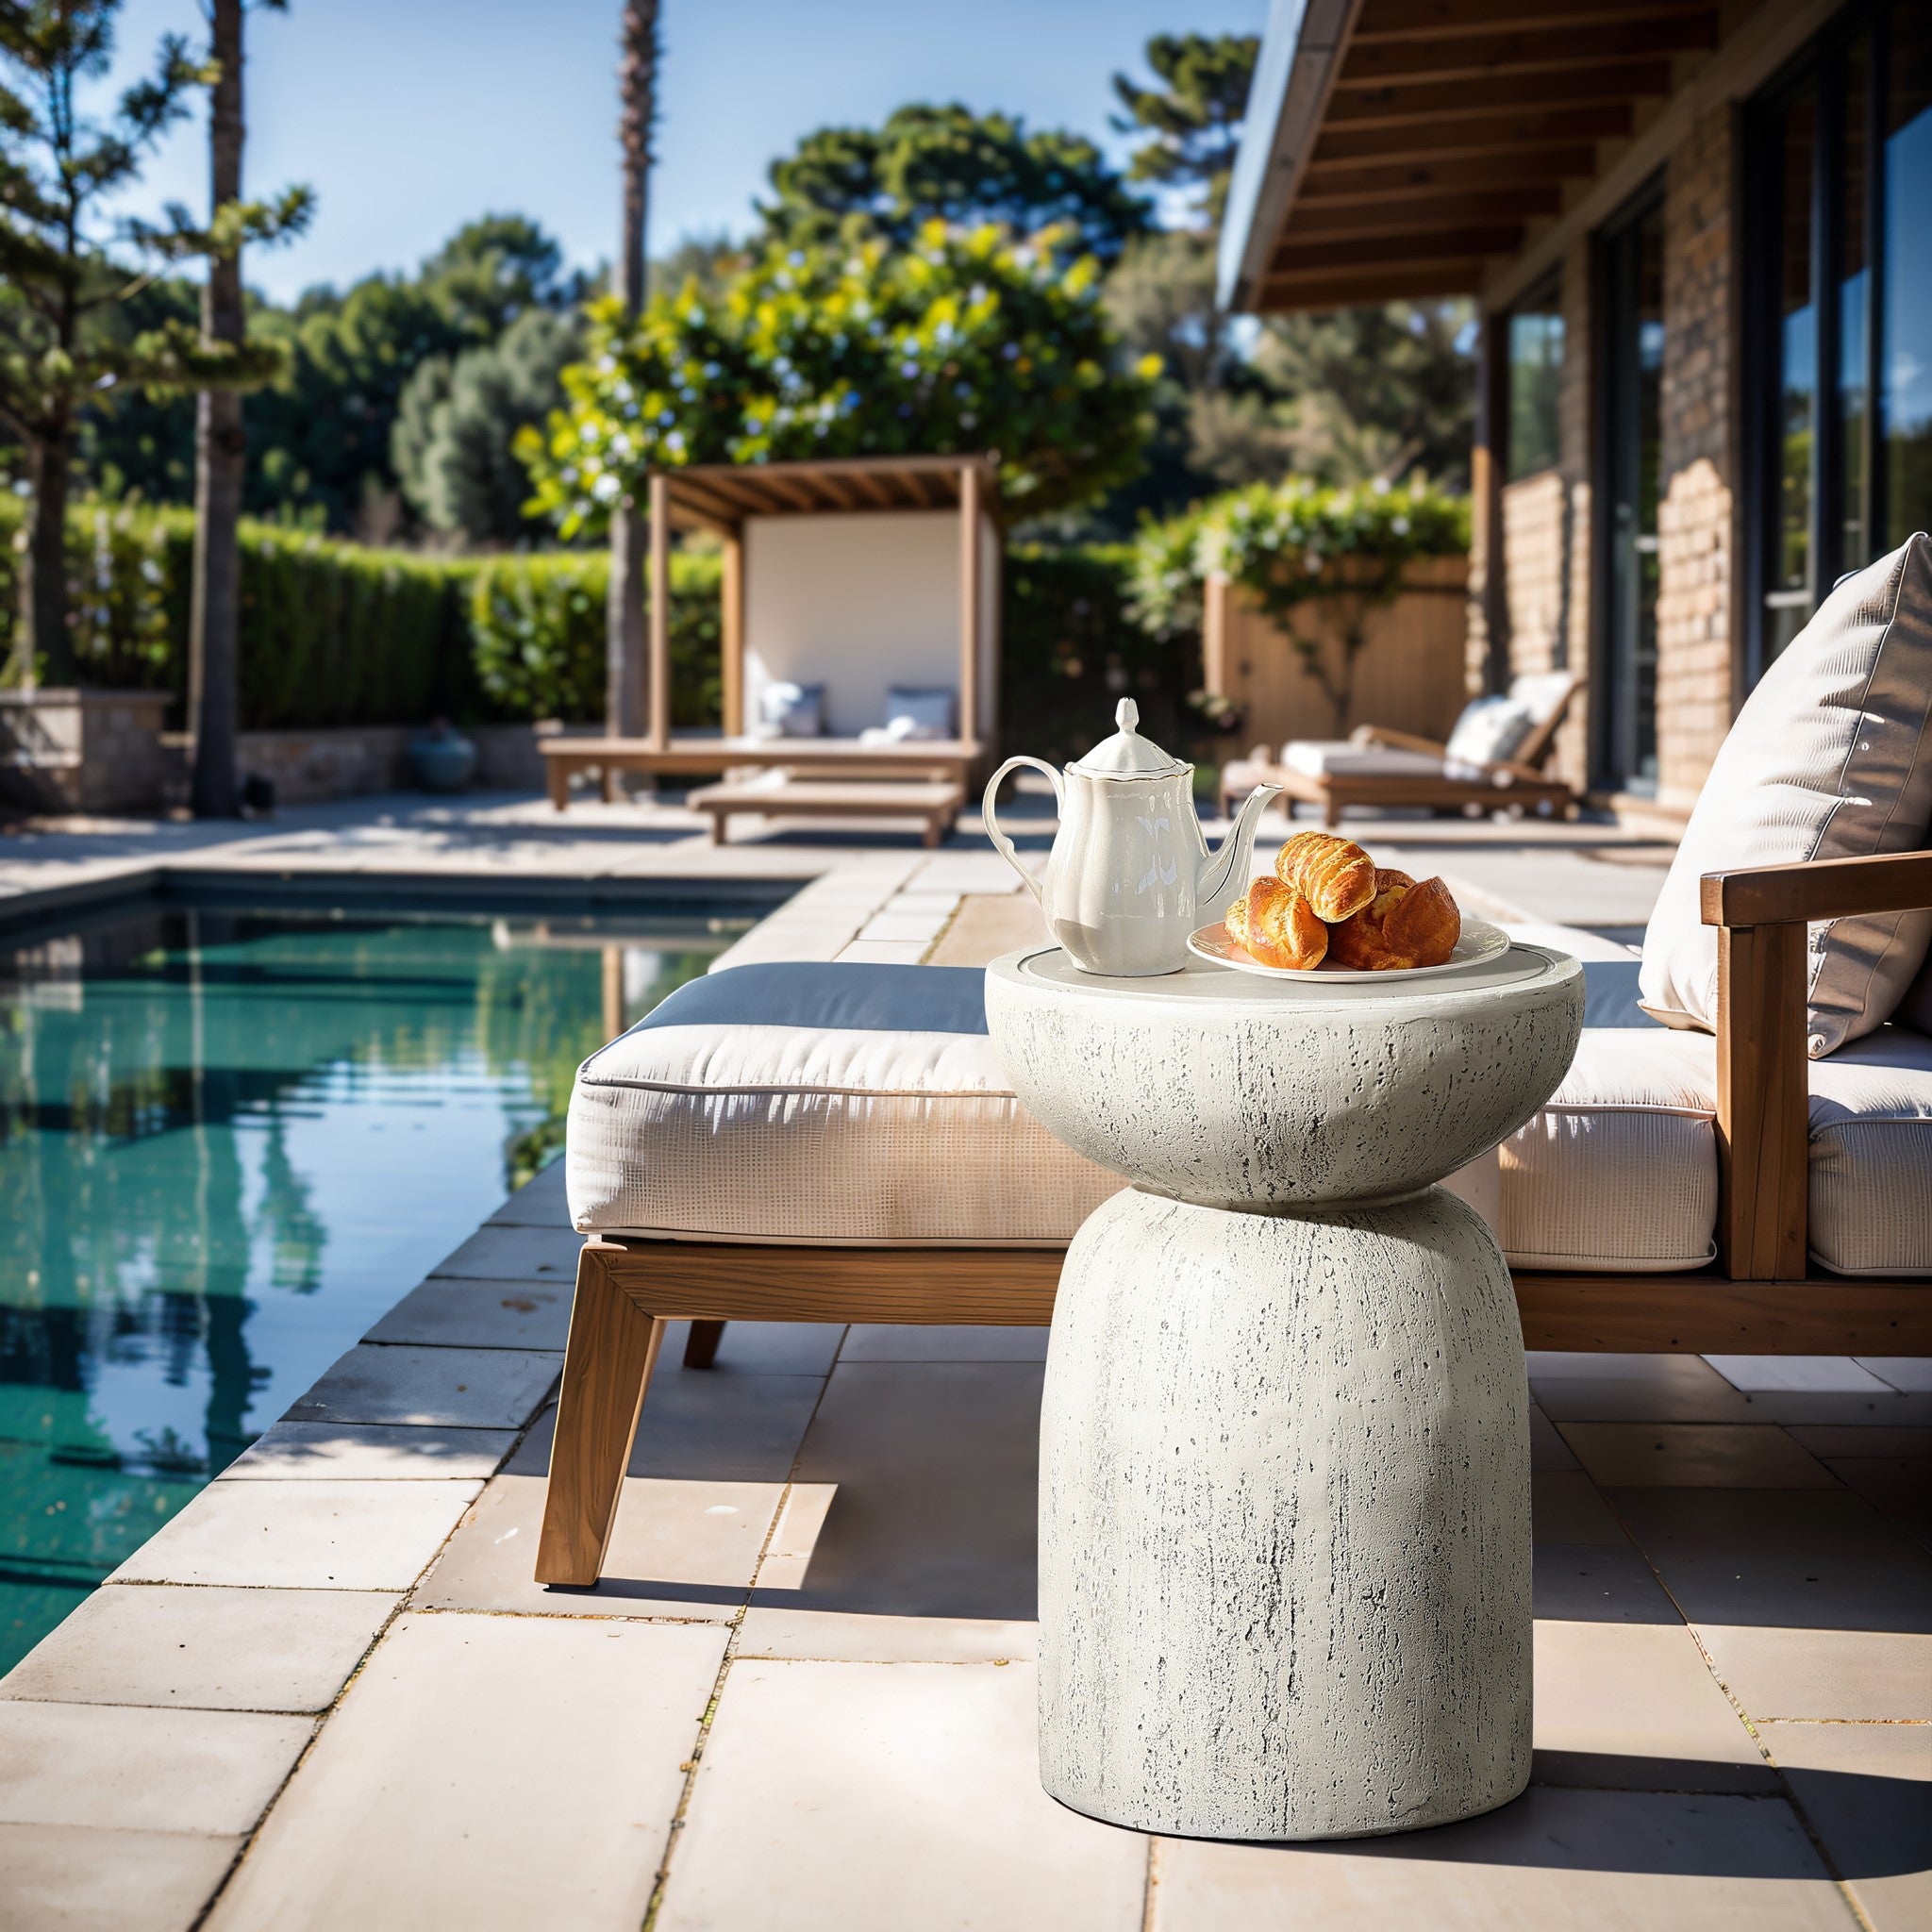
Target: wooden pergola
{"x": 720, "y": 498}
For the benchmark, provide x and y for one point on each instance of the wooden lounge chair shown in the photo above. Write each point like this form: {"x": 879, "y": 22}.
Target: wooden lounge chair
{"x": 1762, "y": 1294}
{"x": 1380, "y": 770}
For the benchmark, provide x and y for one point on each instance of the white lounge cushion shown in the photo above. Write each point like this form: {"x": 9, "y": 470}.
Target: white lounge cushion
{"x": 819, "y": 1103}
{"x": 1488, "y": 730}
{"x": 1618, "y": 1171}
{"x": 1831, "y": 758}
{"x": 1317, "y": 757}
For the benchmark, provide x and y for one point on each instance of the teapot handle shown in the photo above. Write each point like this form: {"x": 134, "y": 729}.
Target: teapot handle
{"x": 1004, "y": 845}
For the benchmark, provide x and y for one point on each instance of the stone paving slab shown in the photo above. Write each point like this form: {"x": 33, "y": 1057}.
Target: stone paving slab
{"x": 459, "y": 1387}
{"x": 546, "y": 1810}
{"x": 1589, "y": 1861}
{"x": 212, "y": 1649}
{"x": 83, "y": 1879}
{"x": 1599, "y": 1583}
{"x": 1867, "y": 1792}
{"x": 840, "y": 1773}
{"x": 1695, "y": 1456}
{"x": 324, "y": 1535}
{"x": 539, "y": 1203}
{"x": 677, "y": 1550}
{"x": 450, "y": 1311}
{"x": 836, "y": 1636}
{"x": 210, "y": 1771}
{"x": 516, "y": 1253}
{"x": 370, "y": 1451}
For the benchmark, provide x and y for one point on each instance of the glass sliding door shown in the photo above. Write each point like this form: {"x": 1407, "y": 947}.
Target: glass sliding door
{"x": 1632, "y": 293}
{"x": 1842, "y": 282}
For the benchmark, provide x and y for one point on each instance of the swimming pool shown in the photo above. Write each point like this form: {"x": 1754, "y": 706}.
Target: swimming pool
{"x": 230, "y": 1139}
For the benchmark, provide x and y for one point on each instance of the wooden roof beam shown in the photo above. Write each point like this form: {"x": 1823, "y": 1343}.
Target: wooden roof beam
{"x": 1485, "y": 56}
{"x": 1384, "y": 22}
{"x": 1459, "y": 245}
{"x": 1451, "y": 140}
{"x": 1422, "y": 102}
{"x": 1422, "y": 213}
{"x": 1399, "y": 282}
{"x": 702, "y": 495}
{"x": 1365, "y": 184}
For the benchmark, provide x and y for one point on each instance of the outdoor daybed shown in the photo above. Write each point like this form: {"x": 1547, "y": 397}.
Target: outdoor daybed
{"x": 1493, "y": 760}
{"x": 839, "y": 1144}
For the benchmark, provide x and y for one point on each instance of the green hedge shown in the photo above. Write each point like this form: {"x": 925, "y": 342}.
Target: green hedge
{"x": 337, "y": 634}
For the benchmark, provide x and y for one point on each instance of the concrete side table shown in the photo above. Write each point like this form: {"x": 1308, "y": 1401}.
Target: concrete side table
{"x": 1284, "y": 1514}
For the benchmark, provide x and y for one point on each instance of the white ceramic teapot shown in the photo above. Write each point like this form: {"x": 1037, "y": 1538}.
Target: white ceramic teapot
{"x": 1130, "y": 875}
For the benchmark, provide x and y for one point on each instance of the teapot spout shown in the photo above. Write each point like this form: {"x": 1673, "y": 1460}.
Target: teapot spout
{"x": 1225, "y": 871}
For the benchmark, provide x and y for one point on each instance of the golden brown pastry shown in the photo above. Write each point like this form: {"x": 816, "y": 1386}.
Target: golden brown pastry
{"x": 1335, "y": 876}
{"x": 1276, "y": 926}
{"x": 1404, "y": 925}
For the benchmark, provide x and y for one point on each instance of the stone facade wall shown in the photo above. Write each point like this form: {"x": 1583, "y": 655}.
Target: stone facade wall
{"x": 82, "y": 751}
{"x": 1698, "y": 616}
{"x": 1536, "y": 557}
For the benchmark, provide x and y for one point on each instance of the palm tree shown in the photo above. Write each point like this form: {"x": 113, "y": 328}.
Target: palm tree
{"x": 636, "y": 88}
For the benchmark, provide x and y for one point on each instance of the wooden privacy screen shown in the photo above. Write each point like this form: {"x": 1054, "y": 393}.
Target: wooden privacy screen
{"x": 1409, "y": 675}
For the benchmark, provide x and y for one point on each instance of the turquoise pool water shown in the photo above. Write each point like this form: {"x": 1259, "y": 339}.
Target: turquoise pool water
{"x": 229, "y": 1139}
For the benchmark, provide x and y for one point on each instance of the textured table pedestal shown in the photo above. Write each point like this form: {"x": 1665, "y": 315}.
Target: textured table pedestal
{"x": 1285, "y": 1549}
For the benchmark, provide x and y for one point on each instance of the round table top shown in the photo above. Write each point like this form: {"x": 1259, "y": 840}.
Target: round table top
{"x": 1201, "y": 985}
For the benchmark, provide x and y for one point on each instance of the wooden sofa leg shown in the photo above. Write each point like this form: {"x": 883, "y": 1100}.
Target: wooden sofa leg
{"x": 606, "y": 1365}
{"x": 701, "y": 1344}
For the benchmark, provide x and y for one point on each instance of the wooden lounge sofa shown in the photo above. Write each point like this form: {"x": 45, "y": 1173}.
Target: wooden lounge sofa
{"x": 1381, "y": 770}
{"x": 1763, "y": 1293}
{"x": 948, "y": 760}
{"x": 936, "y": 802}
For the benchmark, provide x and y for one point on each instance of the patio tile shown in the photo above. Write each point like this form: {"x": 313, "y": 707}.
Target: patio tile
{"x": 1565, "y": 1508}
{"x": 1590, "y": 1365}
{"x": 1589, "y": 1861}
{"x": 287, "y": 1650}
{"x": 1688, "y": 1455}
{"x": 370, "y": 1451}
{"x": 327, "y": 1535}
{"x": 937, "y": 1471}
{"x": 539, "y": 1203}
{"x": 904, "y": 928}
{"x": 82, "y": 1879}
{"x": 454, "y": 1311}
{"x": 815, "y": 1804}
{"x": 1634, "y": 1706}
{"x": 1866, "y": 1790}
{"x": 872, "y": 1341}
{"x": 833, "y": 1635}
{"x": 516, "y": 1253}
{"x": 1810, "y": 1604}
{"x": 680, "y": 1549}
{"x": 1599, "y": 1584}
{"x": 487, "y": 1772}
{"x": 1910, "y": 1372}
{"x": 1679, "y": 1388}
{"x": 763, "y": 1348}
{"x": 1839, "y": 1440}
{"x": 708, "y": 1426}
{"x": 1831, "y": 1374}
{"x": 466, "y": 1388}
{"x": 1898, "y": 1486}
{"x": 1548, "y": 1449}
{"x": 1880, "y": 1408}
{"x": 206, "y": 1771}
{"x": 885, "y": 952}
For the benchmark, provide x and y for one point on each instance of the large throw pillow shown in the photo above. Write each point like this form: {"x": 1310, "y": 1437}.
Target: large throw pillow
{"x": 919, "y": 713}
{"x": 792, "y": 710}
{"x": 1831, "y": 758}
{"x": 1488, "y": 730}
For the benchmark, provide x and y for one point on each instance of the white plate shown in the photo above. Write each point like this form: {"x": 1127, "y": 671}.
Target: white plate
{"x": 1480, "y": 942}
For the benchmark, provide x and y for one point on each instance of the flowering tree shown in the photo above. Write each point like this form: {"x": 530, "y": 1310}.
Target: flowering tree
{"x": 1296, "y": 545}
{"x": 965, "y": 342}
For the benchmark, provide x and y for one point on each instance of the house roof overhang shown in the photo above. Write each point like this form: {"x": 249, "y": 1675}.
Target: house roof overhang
{"x": 719, "y": 496}
{"x": 1394, "y": 148}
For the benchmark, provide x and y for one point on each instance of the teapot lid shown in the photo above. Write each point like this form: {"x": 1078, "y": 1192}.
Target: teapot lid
{"x": 1127, "y": 753}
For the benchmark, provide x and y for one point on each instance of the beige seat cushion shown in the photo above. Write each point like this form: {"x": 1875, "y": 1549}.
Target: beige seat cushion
{"x": 1831, "y": 758}
{"x": 1618, "y": 1171}
{"x": 804, "y": 1102}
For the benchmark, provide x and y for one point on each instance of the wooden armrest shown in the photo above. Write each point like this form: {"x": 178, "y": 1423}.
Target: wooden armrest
{"x": 1821, "y": 888}
{"x": 1763, "y": 1062}
{"x": 1396, "y": 740}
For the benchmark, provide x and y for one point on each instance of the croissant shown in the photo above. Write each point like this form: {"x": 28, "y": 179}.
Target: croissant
{"x": 1277, "y": 925}
{"x": 1336, "y": 877}
{"x": 1403, "y": 924}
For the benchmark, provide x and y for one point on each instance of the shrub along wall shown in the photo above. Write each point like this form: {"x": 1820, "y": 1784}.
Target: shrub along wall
{"x": 334, "y": 634}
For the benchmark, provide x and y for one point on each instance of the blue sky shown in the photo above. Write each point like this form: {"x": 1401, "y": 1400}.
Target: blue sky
{"x": 410, "y": 116}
